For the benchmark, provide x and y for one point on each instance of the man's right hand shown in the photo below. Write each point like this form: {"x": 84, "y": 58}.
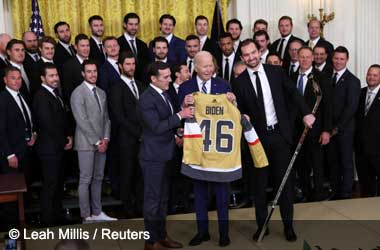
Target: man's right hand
{"x": 187, "y": 112}
{"x": 189, "y": 100}
{"x": 13, "y": 162}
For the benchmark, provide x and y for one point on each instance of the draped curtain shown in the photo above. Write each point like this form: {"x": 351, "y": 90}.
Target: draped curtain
{"x": 77, "y": 12}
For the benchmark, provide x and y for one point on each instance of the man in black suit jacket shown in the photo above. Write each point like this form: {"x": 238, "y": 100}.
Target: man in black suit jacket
{"x": 4, "y": 39}
{"x": 294, "y": 64}
{"x": 31, "y": 51}
{"x": 46, "y": 46}
{"x": 281, "y": 45}
{"x": 158, "y": 122}
{"x": 64, "y": 50}
{"x": 320, "y": 60}
{"x": 315, "y": 39}
{"x": 367, "y": 135}
{"x": 311, "y": 155}
{"x": 234, "y": 27}
{"x": 201, "y": 28}
{"x": 96, "y": 46}
{"x": 192, "y": 46}
{"x": 123, "y": 97}
{"x": 262, "y": 93}
{"x": 346, "y": 93}
{"x": 53, "y": 138}
{"x": 228, "y": 58}
{"x": 72, "y": 69}
{"x": 129, "y": 42}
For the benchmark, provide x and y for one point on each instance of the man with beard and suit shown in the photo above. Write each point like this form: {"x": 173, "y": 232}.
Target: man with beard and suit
{"x": 54, "y": 136}
{"x": 320, "y": 60}
{"x": 192, "y": 47}
{"x": 234, "y": 27}
{"x": 46, "y": 46}
{"x": 263, "y": 92}
{"x": 96, "y": 46}
{"x": 227, "y": 58}
{"x": 315, "y": 39}
{"x": 123, "y": 97}
{"x": 72, "y": 74}
{"x": 367, "y": 135}
{"x": 281, "y": 45}
{"x": 109, "y": 72}
{"x": 64, "y": 50}
{"x": 31, "y": 51}
{"x": 310, "y": 157}
{"x": 4, "y": 39}
{"x": 129, "y": 42}
{"x": 201, "y": 28}
{"x": 346, "y": 94}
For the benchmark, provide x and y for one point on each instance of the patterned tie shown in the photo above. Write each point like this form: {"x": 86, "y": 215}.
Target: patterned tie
{"x": 36, "y": 57}
{"x": 300, "y": 84}
{"x": 311, "y": 44}
{"x": 368, "y": 103}
{"x": 133, "y": 47}
{"x": 96, "y": 98}
{"x": 102, "y": 50}
{"x": 58, "y": 96}
{"x": 291, "y": 70}
{"x": 204, "y": 88}
{"x": 72, "y": 50}
{"x": 134, "y": 90}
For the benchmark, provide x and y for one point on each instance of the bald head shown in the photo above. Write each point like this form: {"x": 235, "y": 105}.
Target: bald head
{"x": 4, "y": 39}
{"x": 31, "y": 42}
{"x": 204, "y": 65}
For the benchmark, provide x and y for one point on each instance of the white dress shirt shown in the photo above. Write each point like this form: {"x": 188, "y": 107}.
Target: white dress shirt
{"x": 129, "y": 38}
{"x": 169, "y": 37}
{"x": 339, "y": 75}
{"x": 114, "y": 64}
{"x": 45, "y": 60}
{"x": 374, "y": 93}
{"x": 236, "y": 45}
{"x": 66, "y": 46}
{"x": 305, "y": 78}
{"x": 231, "y": 59}
{"x": 263, "y": 57}
{"x": 202, "y": 40}
{"x": 200, "y": 84}
{"x": 130, "y": 82}
{"x": 315, "y": 41}
{"x": 321, "y": 67}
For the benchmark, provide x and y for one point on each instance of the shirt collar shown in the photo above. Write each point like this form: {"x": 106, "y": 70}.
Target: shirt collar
{"x": 260, "y": 69}
{"x": 12, "y": 92}
{"x": 315, "y": 40}
{"x": 3, "y": 57}
{"x": 46, "y": 60}
{"x": 340, "y": 72}
{"x": 126, "y": 79}
{"x": 65, "y": 45}
{"x": 50, "y": 89}
{"x": 287, "y": 37}
{"x": 18, "y": 66}
{"x": 165, "y": 60}
{"x": 296, "y": 64}
{"x": 32, "y": 54}
{"x": 200, "y": 81}
{"x": 230, "y": 57}
{"x": 129, "y": 37}
{"x": 169, "y": 37}
{"x": 89, "y": 85}
{"x": 111, "y": 61}
{"x": 96, "y": 40}
{"x": 160, "y": 91}
{"x": 202, "y": 39}
{"x": 320, "y": 67}
{"x": 307, "y": 72}
{"x": 375, "y": 90}
{"x": 176, "y": 85}
{"x": 80, "y": 59}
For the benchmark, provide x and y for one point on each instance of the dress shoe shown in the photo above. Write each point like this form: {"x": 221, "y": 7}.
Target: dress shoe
{"x": 155, "y": 246}
{"x": 170, "y": 243}
{"x": 290, "y": 235}
{"x": 199, "y": 238}
{"x": 256, "y": 236}
{"x": 224, "y": 241}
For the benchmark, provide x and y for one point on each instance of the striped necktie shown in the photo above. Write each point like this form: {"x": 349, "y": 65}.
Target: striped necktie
{"x": 204, "y": 88}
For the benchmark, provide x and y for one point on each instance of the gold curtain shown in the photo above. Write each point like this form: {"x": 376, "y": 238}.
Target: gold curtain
{"x": 77, "y": 12}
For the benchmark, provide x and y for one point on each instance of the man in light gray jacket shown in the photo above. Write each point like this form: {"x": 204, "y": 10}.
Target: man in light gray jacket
{"x": 92, "y": 133}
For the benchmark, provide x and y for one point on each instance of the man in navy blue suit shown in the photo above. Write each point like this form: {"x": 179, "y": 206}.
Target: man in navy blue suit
{"x": 177, "y": 53}
{"x": 158, "y": 120}
{"x": 205, "y": 83}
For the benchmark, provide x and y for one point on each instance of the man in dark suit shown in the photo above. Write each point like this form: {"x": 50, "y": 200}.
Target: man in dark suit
{"x": 96, "y": 46}
{"x": 31, "y": 51}
{"x": 201, "y": 29}
{"x": 234, "y": 27}
{"x": 262, "y": 93}
{"x": 54, "y": 137}
{"x": 310, "y": 158}
{"x": 192, "y": 48}
{"x": 46, "y": 46}
{"x": 320, "y": 60}
{"x": 129, "y": 42}
{"x": 315, "y": 39}
{"x": 281, "y": 45}
{"x": 367, "y": 136}
{"x": 4, "y": 39}
{"x": 346, "y": 93}
{"x": 64, "y": 50}
{"x": 177, "y": 52}
{"x": 109, "y": 72}
{"x": 205, "y": 83}
{"x": 227, "y": 58}
{"x": 72, "y": 73}
{"x": 123, "y": 97}
{"x": 294, "y": 64}
{"x": 158, "y": 122}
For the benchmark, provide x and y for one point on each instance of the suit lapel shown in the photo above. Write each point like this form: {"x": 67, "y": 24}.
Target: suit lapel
{"x": 249, "y": 87}
{"x": 375, "y": 102}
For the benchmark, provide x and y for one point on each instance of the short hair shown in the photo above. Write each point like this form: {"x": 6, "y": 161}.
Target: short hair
{"x": 80, "y": 37}
{"x": 109, "y": 38}
{"x": 46, "y": 39}
{"x": 320, "y": 46}
{"x": 285, "y": 18}
{"x": 225, "y": 35}
{"x": 200, "y": 17}
{"x": 312, "y": 20}
{"x": 192, "y": 37}
{"x": 124, "y": 55}
{"x": 167, "y": 16}
{"x": 305, "y": 48}
{"x": 154, "y": 67}
{"x": 235, "y": 21}
{"x": 72, "y": 245}
{"x": 297, "y": 41}
{"x": 60, "y": 23}
{"x": 342, "y": 49}
{"x": 247, "y": 42}
{"x": 177, "y": 69}
{"x": 47, "y": 66}
{"x": 261, "y": 33}
{"x": 10, "y": 69}
{"x": 274, "y": 54}
{"x": 88, "y": 62}
{"x": 93, "y": 18}
{"x": 160, "y": 39}
{"x": 13, "y": 42}
{"x": 377, "y": 66}
{"x": 131, "y": 15}
{"x": 260, "y": 21}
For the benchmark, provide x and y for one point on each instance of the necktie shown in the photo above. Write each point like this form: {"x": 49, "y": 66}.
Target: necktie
{"x": 281, "y": 47}
{"x": 166, "y": 97}
{"x": 311, "y": 44}
{"x": 58, "y": 96}
{"x": 96, "y": 98}
{"x": 333, "y": 80}
{"x": 291, "y": 70}
{"x": 102, "y": 50}
{"x": 368, "y": 102}
{"x": 36, "y": 57}
{"x": 204, "y": 88}
{"x": 133, "y": 47}
{"x": 190, "y": 65}
{"x": 72, "y": 50}
{"x": 259, "y": 94}
{"x": 25, "y": 78}
{"x": 28, "y": 127}
{"x": 300, "y": 84}
{"x": 227, "y": 71}
{"x": 134, "y": 90}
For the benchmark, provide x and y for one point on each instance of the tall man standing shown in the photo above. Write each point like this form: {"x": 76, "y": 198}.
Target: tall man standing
{"x": 96, "y": 46}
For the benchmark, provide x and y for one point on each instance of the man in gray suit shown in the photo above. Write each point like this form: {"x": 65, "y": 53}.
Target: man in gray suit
{"x": 92, "y": 133}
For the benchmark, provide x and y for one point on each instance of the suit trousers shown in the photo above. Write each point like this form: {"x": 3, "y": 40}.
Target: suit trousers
{"x": 278, "y": 153}
{"x": 156, "y": 196}
{"x": 222, "y": 194}
{"x": 91, "y": 172}
{"x": 368, "y": 169}
{"x": 340, "y": 157}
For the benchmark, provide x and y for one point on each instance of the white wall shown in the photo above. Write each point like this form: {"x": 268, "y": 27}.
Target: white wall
{"x": 356, "y": 25}
{"x": 6, "y": 17}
